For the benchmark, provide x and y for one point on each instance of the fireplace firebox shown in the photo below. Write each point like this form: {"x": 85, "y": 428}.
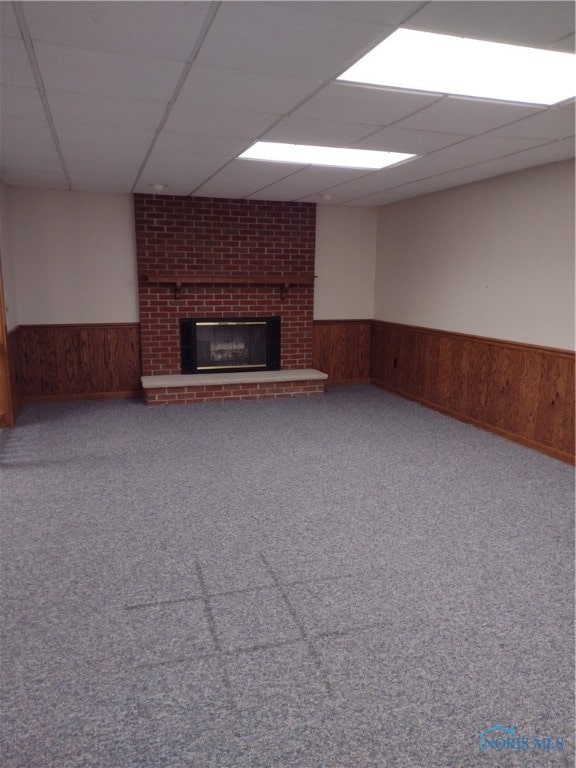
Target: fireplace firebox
{"x": 230, "y": 345}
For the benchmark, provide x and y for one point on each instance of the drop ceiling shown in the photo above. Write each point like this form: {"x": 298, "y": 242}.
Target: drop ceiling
{"x": 119, "y": 96}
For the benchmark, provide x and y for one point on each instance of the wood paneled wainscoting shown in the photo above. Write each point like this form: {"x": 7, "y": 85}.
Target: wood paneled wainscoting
{"x": 523, "y": 392}
{"x": 341, "y": 348}
{"x": 68, "y": 362}
{"x": 17, "y": 395}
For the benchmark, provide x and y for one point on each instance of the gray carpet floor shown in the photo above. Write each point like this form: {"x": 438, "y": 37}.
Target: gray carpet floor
{"x": 335, "y": 582}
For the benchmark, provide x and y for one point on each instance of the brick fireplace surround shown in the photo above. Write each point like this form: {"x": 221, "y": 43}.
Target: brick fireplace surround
{"x": 188, "y": 242}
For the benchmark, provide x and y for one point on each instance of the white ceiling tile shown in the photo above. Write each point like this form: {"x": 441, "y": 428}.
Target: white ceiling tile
{"x": 382, "y": 199}
{"x": 388, "y": 178}
{"x": 112, "y": 113}
{"x": 369, "y": 184}
{"x": 24, "y": 103}
{"x": 467, "y": 175}
{"x": 523, "y": 23}
{"x": 422, "y": 168}
{"x": 487, "y": 146}
{"x": 85, "y": 164}
{"x": 386, "y": 13}
{"x": 244, "y": 91}
{"x": 392, "y": 196}
{"x": 551, "y": 124}
{"x": 29, "y": 154}
{"x": 475, "y": 173}
{"x": 245, "y": 177}
{"x": 171, "y": 27}
{"x": 546, "y": 153}
{"x": 127, "y": 147}
{"x": 20, "y": 176}
{"x": 425, "y": 186}
{"x": 309, "y": 179}
{"x": 566, "y": 44}
{"x": 227, "y": 123}
{"x": 117, "y": 177}
{"x": 106, "y": 138}
{"x": 179, "y": 170}
{"x": 107, "y": 74}
{"x": 285, "y": 196}
{"x": 365, "y": 104}
{"x": 15, "y": 67}
{"x": 111, "y": 69}
{"x": 455, "y": 114}
{"x": 198, "y": 145}
{"x": 405, "y": 140}
{"x": 550, "y": 153}
{"x": 181, "y": 188}
{"x": 303, "y": 130}
{"x": 22, "y": 129}
{"x": 8, "y": 24}
{"x": 287, "y": 39}
{"x": 110, "y": 184}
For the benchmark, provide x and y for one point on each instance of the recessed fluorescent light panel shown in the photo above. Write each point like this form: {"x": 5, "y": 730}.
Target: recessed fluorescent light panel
{"x": 424, "y": 61}
{"x": 306, "y": 154}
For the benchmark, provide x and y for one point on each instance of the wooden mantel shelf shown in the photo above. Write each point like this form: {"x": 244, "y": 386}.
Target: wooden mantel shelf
{"x": 284, "y": 281}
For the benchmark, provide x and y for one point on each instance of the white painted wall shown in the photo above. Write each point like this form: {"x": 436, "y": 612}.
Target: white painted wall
{"x": 6, "y": 261}
{"x": 494, "y": 258}
{"x": 345, "y": 262}
{"x": 74, "y": 257}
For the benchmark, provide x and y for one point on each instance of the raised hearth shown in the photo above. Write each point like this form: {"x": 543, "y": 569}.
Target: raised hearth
{"x": 248, "y": 385}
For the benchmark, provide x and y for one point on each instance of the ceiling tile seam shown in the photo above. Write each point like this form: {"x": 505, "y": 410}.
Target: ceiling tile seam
{"x": 561, "y": 39}
{"x": 414, "y": 12}
{"x": 427, "y": 154}
{"x": 452, "y": 170}
{"x": 277, "y": 181}
{"x": 390, "y": 29}
{"x": 441, "y": 97}
{"x": 273, "y": 125}
{"x": 368, "y": 48}
{"x": 329, "y": 81}
{"x": 438, "y": 175}
{"x": 213, "y": 8}
{"x": 483, "y": 133}
{"x": 327, "y": 189}
{"x": 289, "y": 113}
{"x": 357, "y": 178}
{"x": 394, "y": 122}
{"x": 263, "y": 133}
{"x": 499, "y": 128}
{"x": 545, "y": 139}
{"x": 31, "y": 53}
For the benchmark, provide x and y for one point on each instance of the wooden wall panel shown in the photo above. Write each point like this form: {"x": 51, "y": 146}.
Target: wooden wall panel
{"x": 13, "y": 346}
{"x": 74, "y": 361}
{"x": 523, "y": 392}
{"x": 342, "y": 350}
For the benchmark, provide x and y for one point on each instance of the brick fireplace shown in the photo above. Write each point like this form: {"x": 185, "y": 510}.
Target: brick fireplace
{"x": 216, "y": 258}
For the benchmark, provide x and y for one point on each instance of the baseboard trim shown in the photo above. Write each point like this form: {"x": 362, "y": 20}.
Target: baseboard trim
{"x": 567, "y": 458}
{"x": 348, "y": 382}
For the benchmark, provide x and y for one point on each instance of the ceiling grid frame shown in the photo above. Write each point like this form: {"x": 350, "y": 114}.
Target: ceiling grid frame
{"x": 109, "y": 136}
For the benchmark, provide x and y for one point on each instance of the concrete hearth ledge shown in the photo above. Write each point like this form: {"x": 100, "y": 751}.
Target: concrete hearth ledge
{"x": 248, "y": 377}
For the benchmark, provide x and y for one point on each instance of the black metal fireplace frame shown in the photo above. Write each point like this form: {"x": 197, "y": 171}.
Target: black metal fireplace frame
{"x": 188, "y": 345}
